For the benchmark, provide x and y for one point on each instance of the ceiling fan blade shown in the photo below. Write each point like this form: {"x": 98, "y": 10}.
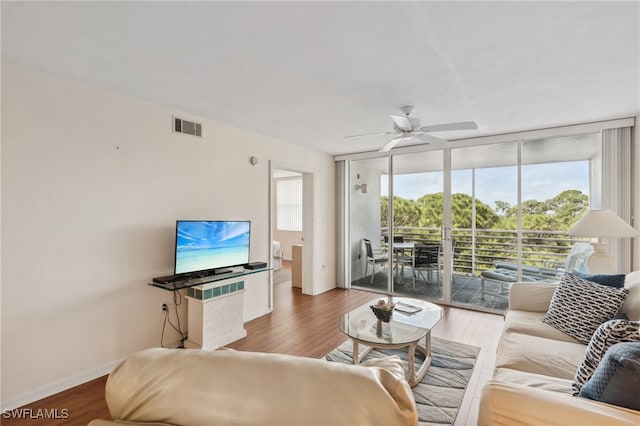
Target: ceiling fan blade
{"x": 463, "y": 125}
{"x": 393, "y": 142}
{"x": 426, "y": 138}
{"x": 402, "y": 122}
{"x": 370, "y": 134}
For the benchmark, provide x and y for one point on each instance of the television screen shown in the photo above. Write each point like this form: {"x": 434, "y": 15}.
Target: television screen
{"x": 207, "y": 245}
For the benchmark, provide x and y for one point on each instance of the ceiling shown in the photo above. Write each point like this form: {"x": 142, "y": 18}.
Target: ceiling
{"x": 310, "y": 73}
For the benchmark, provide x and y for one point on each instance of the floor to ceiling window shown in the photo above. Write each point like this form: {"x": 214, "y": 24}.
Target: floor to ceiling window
{"x": 417, "y": 185}
{"x": 524, "y": 196}
{"x": 484, "y": 180}
{"x": 468, "y": 220}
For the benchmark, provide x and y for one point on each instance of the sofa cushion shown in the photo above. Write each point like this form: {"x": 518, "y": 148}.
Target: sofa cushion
{"x": 533, "y": 380}
{"x": 532, "y": 297}
{"x": 510, "y": 404}
{"x": 607, "y": 335}
{"x": 539, "y": 355}
{"x": 617, "y": 378}
{"x": 578, "y": 306}
{"x": 616, "y": 281}
{"x": 530, "y": 323}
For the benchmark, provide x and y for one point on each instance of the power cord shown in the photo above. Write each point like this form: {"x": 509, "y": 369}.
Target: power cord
{"x": 177, "y": 301}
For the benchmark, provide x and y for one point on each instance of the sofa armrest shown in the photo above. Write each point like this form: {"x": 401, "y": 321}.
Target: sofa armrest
{"x": 531, "y": 296}
{"x": 512, "y": 404}
{"x": 227, "y": 387}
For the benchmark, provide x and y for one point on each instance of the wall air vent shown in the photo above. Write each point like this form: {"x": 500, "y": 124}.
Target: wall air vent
{"x": 187, "y": 127}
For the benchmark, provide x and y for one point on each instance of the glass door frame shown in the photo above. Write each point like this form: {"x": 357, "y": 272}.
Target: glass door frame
{"x": 447, "y": 268}
{"x": 518, "y": 137}
{"x": 445, "y": 228}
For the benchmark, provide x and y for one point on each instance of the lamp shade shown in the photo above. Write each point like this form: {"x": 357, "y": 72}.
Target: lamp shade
{"x": 602, "y": 223}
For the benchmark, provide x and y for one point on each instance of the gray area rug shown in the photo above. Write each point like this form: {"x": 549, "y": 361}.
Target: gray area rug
{"x": 439, "y": 395}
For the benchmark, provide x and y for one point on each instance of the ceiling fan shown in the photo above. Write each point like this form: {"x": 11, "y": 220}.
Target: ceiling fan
{"x": 406, "y": 128}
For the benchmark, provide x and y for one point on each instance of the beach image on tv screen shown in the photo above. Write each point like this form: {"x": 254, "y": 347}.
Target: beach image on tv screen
{"x": 209, "y": 245}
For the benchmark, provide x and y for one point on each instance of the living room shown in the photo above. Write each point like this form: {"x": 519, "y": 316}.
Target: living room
{"x": 94, "y": 179}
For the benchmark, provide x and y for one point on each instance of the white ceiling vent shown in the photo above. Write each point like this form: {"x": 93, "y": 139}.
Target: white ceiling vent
{"x": 187, "y": 127}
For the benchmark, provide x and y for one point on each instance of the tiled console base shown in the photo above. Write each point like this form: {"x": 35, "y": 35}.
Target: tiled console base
{"x": 215, "y": 313}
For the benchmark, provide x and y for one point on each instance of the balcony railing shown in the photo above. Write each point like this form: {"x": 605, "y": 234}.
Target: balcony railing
{"x": 474, "y": 251}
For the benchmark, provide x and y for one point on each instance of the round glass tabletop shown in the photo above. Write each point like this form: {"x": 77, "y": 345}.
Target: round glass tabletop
{"x": 412, "y": 319}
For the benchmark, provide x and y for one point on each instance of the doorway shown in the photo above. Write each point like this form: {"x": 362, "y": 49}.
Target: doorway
{"x": 291, "y": 230}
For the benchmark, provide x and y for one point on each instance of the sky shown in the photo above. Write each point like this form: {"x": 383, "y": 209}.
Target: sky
{"x": 539, "y": 182}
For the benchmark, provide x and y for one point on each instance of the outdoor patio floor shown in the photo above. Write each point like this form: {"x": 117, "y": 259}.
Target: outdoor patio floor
{"x": 465, "y": 290}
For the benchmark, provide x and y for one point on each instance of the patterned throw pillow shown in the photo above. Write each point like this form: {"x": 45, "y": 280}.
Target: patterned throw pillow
{"x": 617, "y": 377}
{"x": 616, "y": 280}
{"x": 578, "y": 306}
{"x": 607, "y": 335}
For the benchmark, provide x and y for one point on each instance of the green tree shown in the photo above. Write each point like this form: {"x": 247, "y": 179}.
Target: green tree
{"x": 461, "y": 205}
{"x": 556, "y": 214}
{"x": 427, "y": 211}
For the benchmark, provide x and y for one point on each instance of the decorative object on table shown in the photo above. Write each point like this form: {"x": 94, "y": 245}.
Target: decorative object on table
{"x": 407, "y": 308}
{"x": 440, "y": 392}
{"x": 383, "y": 310}
{"x": 601, "y": 224}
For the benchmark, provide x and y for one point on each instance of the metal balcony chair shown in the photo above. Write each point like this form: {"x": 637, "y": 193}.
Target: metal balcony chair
{"x": 373, "y": 259}
{"x": 429, "y": 259}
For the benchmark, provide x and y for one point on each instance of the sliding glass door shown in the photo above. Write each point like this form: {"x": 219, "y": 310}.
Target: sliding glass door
{"x": 484, "y": 180}
{"x": 512, "y": 205}
{"x": 417, "y": 185}
{"x": 467, "y": 221}
{"x": 399, "y": 249}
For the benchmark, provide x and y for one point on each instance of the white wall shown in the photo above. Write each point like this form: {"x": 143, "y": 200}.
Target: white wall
{"x": 92, "y": 183}
{"x": 365, "y": 221}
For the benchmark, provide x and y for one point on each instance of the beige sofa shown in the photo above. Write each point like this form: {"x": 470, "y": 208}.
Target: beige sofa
{"x": 194, "y": 387}
{"x": 536, "y": 365}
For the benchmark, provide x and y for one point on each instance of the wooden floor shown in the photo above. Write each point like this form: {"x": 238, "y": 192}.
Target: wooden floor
{"x": 305, "y": 325}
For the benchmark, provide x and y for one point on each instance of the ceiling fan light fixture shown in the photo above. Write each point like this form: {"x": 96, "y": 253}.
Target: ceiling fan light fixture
{"x": 407, "y": 128}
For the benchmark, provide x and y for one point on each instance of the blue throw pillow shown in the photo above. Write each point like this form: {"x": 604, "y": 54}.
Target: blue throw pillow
{"x": 616, "y": 281}
{"x": 617, "y": 378}
{"x": 606, "y": 336}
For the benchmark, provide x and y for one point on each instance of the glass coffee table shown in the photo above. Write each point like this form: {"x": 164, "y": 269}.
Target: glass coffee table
{"x": 404, "y": 330}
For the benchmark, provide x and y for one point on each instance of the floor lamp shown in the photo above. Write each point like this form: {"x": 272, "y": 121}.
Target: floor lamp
{"x": 601, "y": 224}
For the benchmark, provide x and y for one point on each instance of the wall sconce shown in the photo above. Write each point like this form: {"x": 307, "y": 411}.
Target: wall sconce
{"x": 362, "y": 187}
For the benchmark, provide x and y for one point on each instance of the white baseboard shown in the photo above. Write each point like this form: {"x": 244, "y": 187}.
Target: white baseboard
{"x": 44, "y": 391}
{"x": 253, "y": 315}
{"x": 61, "y": 385}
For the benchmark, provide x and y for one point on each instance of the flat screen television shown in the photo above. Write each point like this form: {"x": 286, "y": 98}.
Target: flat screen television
{"x": 211, "y": 246}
